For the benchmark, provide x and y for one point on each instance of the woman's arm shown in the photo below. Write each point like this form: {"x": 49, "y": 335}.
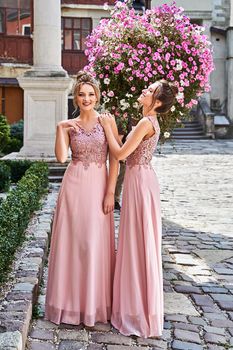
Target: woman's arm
{"x": 143, "y": 128}
{"x": 62, "y": 141}
{"x": 112, "y": 176}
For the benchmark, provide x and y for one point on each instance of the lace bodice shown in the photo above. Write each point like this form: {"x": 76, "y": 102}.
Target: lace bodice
{"x": 88, "y": 146}
{"x": 143, "y": 153}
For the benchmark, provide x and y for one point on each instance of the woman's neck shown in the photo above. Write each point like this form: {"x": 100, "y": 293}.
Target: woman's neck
{"x": 88, "y": 115}
{"x": 149, "y": 113}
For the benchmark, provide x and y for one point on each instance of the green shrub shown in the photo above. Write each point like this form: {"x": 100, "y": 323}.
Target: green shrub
{"x": 16, "y": 130}
{"x": 18, "y": 168}
{"x": 16, "y": 210}
{"x": 14, "y": 145}
{"x": 5, "y": 176}
{"x": 4, "y": 132}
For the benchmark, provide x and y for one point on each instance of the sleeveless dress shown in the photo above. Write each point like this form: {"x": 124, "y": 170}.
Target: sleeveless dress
{"x": 138, "y": 283}
{"x": 82, "y": 255}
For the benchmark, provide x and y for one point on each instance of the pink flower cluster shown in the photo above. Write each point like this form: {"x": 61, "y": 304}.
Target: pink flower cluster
{"x": 129, "y": 51}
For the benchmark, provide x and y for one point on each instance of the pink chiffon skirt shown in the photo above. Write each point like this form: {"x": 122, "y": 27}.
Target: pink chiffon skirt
{"x": 138, "y": 283}
{"x": 82, "y": 255}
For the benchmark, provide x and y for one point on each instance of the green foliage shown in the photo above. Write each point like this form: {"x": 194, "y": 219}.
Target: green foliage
{"x": 5, "y": 176}
{"x": 11, "y": 136}
{"x": 18, "y": 168}
{"x": 16, "y": 210}
{"x": 17, "y": 130}
{"x": 4, "y": 132}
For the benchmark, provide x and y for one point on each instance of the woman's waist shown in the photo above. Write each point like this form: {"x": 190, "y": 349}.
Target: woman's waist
{"x": 88, "y": 162}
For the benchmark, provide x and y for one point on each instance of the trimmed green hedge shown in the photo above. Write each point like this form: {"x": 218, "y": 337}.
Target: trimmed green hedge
{"x": 16, "y": 210}
{"x": 18, "y": 168}
{"x": 5, "y": 177}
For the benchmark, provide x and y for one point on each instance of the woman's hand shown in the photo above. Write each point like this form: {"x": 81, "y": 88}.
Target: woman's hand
{"x": 108, "y": 204}
{"x": 65, "y": 124}
{"x": 105, "y": 119}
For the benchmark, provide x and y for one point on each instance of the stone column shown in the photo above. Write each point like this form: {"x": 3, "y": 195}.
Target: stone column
{"x": 46, "y": 85}
{"x": 230, "y": 64}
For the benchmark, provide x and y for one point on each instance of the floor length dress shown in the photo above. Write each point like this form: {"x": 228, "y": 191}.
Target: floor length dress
{"x": 82, "y": 255}
{"x": 138, "y": 283}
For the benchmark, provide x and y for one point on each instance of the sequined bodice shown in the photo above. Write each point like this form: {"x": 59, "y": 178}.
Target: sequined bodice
{"x": 143, "y": 153}
{"x": 88, "y": 146}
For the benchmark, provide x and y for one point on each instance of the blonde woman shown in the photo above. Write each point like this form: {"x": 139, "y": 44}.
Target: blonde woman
{"x": 82, "y": 255}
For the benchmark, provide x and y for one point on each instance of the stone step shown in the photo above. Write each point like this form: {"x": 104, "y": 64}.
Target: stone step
{"x": 187, "y": 133}
{"x": 57, "y": 170}
{"x": 55, "y": 178}
{"x": 190, "y": 137}
{"x": 191, "y": 128}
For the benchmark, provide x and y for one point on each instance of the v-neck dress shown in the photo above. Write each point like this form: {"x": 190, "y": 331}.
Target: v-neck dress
{"x": 82, "y": 255}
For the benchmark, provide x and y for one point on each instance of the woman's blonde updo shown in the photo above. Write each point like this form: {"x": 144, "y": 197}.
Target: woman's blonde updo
{"x": 166, "y": 93}
{"x": 85, "y": 78}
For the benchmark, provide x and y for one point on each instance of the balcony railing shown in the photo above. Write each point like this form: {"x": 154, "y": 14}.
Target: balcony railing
{"x": 16, "y": 49}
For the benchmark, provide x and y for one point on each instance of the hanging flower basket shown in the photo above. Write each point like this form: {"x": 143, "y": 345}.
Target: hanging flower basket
{"x": 129, "y": 51}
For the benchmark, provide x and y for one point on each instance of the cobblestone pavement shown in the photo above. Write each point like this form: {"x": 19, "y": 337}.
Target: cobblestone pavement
{"x": 196, "y": 193}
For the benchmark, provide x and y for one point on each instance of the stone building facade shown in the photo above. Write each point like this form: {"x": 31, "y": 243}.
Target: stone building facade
{"x": 78, "y": 18}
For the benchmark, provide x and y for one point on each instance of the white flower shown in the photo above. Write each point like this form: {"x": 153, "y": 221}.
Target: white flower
{"x": 128, "y": 95}
{"x": 178, "y": 17}
{"x": 135, "y": 105}
{"x": 179, "y": 65}
{"x": 181, "y": 113}
{"x": 106, "y": 81}
{"x": 173, "y": 109}
{"x": 180, "y": 96}
{"x": 106, "y": 99}
{"x": 166, "y": 134}
{"x": 106, "y": 7}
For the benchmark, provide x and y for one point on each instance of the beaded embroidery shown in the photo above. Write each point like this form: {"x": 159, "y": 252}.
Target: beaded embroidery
{"x": 142, "y": 155}
{"x": 88, "y": 146}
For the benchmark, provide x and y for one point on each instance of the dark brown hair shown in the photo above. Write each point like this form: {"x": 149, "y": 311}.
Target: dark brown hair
{"x": 85, "y": 78}
{"x": 165, "y": 92}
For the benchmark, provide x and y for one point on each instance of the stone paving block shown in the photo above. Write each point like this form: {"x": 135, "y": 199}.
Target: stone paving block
{"x": 188, "y": 289}
{"x": 214, "y": 330}
{"x": 36, "y": 345}
{"x": 193, "y": 337}
{"x": 95, "y": 347}
{"x": 197, "y": 320}
{"x": 184, "y": 259}
{"x": 215, "y": 347}
{"x": 42, "y": 334}
{"x": 152, "y": 342}
{"x": 180, "y": 345}
{"x": 120, "y": 347}
{"x": 65, "y": 334}
{"x": 215, "y": 338}
{"x": 44, "y": 324}
{"x": 214, "y": 289}
{"x": 176, "y": 318}
{"x": 100, "y": 327}
{"x": 177, "y": 303}
{"x": 202, "y": 300}
{"x": 110, "y": 338}
{"x": 187, "y": 326}
{"x": 222, "y": 323}
{"x": 71, "y": 345}
{"x": 215, "y": 315}
{"x": 11, "y": 340}
{"x": 225, "y": 305}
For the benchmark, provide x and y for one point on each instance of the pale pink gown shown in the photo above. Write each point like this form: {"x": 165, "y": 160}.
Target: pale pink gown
{"x": 138, "y": 283}
{"x": 82, "y": 255}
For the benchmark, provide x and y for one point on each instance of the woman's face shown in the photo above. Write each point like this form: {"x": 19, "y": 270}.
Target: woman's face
{"x": 146, "y": 96}
{"x": 86, "y": 98}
